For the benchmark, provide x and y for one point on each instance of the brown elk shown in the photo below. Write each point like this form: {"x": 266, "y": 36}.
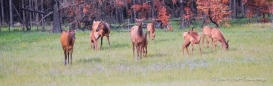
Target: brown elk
{"x": 190, "y": 38}
{"x": 217, "y": 35}
{"x": 99, "y": 29}
{"x": 151, "y": 29}
{"x": 137, "y": 37}
{"x": 206, "y": 33}
{"x": 67, "y": 40}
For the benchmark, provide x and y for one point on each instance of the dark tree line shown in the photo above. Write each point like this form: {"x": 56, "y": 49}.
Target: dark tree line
{"x": 36, "y": 14}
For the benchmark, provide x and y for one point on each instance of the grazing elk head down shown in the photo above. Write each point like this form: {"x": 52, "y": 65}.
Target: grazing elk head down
{"x": 67, "y": 41}
{"x": 217, "y": 35}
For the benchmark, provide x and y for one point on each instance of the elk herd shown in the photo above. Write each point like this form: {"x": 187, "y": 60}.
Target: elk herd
{"x": 139, "y": 38}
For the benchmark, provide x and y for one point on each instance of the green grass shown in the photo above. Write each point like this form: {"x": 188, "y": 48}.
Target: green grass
{"x": 36, "y": 58}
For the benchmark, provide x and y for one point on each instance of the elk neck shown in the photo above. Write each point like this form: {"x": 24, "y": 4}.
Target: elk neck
{"x": 140, "y": 30}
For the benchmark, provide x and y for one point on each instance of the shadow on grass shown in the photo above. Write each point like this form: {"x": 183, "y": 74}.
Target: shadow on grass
{"x": 89, "y": 60}
{"x": 158, "y": 40}
{"x": 155, "y": 55}
{"x": 113, "y": 46}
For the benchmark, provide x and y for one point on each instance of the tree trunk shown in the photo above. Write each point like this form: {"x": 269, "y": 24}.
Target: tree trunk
{"x": 36, "y": 14}
{"x": 182, "y": 25}
{"x": 2, "y": 11}
{"x": 11, "y": 15}
{"x": 1, "y": 18}
{"x": 24, "y": 16}
{"x": 152, "y": 8}
{"x": 243, "y": 9}
{"x": 56, "y": 18}
{"x": 133, "y": 12}
{"x": 42, "y": 15}
{"x": 116, "y": 15}
{"x": 230, "y": 8}
{"x": 29, "y": 15}
{"x": 234, "y": 8}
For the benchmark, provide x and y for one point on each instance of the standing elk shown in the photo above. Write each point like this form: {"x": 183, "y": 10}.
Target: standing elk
{"x": 137, "y": 37}
{"x": 67, "y": 40}
{"x": 99, "y": 29}
{"x": 190, "y": 38}
{"x": 151, "y": 29}
{"x": 206, "y": 33}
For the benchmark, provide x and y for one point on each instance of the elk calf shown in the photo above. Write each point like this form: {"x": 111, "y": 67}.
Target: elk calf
{"x": 151, "y": 29}
{"x": 190, "y": 38}
{"x": 137, "y": 37}
{"x": 67, "y": 40}
{"x": 99, "y": 29}
{"x": 217, "y": 35}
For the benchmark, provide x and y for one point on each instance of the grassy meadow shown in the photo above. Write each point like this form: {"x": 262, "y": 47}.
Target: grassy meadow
{"x": 36, "y": 58}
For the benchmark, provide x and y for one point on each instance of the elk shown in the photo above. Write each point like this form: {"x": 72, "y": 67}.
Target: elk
{"x": 206, "y": 33}
{"x": 67, "y": 41}
{"x": 151, "y": 29}
{"x": 99, "y": 29}
{"x": 137, "y": 37}
{"x": 190, "y": 38}
{"x": 217, "y": 35}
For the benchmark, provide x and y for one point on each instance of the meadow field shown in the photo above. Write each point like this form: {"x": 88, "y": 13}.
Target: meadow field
{"x": 36, "y": 58}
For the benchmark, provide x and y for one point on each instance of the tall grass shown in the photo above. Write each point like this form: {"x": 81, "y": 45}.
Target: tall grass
{"x": 36, "y": 58}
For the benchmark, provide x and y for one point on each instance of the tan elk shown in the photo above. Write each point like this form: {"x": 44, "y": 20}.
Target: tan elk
{"x": 217, "y": 35}
{"x": 190, "y": 38}
{"x": 137, "y": 37}
{"x": 67, "y": 41}
{"x": 151, "y": 29}
{"x": 99, "y": 29}
{"x": 206, "y": 33}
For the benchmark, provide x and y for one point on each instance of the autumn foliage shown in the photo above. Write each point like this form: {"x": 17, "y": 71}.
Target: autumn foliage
{"x": 219, "y": 9}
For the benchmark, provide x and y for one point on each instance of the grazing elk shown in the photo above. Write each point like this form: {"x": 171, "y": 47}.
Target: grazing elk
{"x": 99, "y": 29}
{"x": 206, "y": 33}
{"x": 217, "y": 35}
{"x": 137, "y": 37}
{"x": 151, "y": 29}
{"x": 67, "y": 40}
{"x": 190, "y": 38}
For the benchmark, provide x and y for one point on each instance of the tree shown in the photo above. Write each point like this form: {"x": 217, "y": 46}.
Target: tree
{"x": 10, "y": 15}
{"x": 56, "y": 17}
{"x": 219, "y": 10}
